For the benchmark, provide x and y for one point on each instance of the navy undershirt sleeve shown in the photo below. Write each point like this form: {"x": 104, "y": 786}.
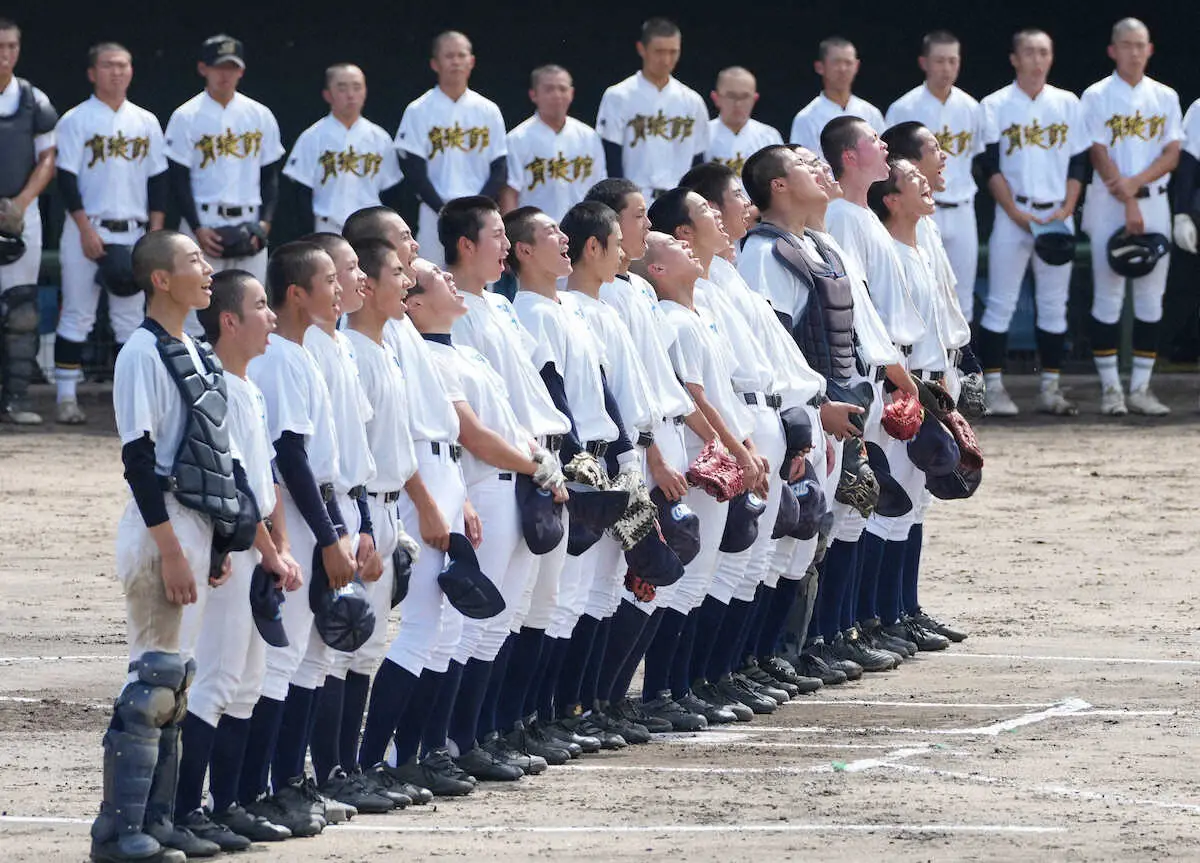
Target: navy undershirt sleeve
{"x": 291, "y": 461}
{"x": 138, "y": 458}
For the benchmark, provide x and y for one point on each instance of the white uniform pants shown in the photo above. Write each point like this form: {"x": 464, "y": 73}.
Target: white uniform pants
{"x": 427, "y": 234}
{"x": 495, "y": 500}
{"x": 960, "y": 235}
{"x": 24, "y": 270}
{"x": 81, "y": 294}
{"x": 1103, "y": 216}
{"x": 538, "y": 576}
{"x": 385, "y": 522}
{"x": 912, "y": 480}
{"x": 790, "y": 557}
{"x": 255, "y": 265}
{"x": 1010, "y": 252}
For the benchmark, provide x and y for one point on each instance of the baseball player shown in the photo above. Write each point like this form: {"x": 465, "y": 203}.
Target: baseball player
{"x": 734, "y": 135}
{"x": 552, "y": 158}
{"x": 343, "y": 162}
{"x": 1136, "y": 129}
{"x": 654, "y": 127}
{"x": 113, "y": 181}
{"x": 838, "y": 64}
{"x": 223, "y": 153}
{"x": 957, "y": 121}
{"x": 230, "y": 653}
{"x": 451, "y": 140}
{"x": 1035, "y": 163}
{"x": 164, "y": 548}
{"x": 1186, "y": 210}
{"x": 27, "y": 151}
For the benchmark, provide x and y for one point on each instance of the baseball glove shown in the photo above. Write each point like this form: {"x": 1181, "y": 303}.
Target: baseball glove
{"x": 857, "y": 486}
{"x": 716, "y": 472}
{"x": 12, "y": 220}
{"x": 971, "y": 401}
{"x": 902, "y": 418}
{"x": 642, "y": 590}
{"x": 936, "y": 400}
{"x": 638, "y": 519}
{"x": 585, "y": 468}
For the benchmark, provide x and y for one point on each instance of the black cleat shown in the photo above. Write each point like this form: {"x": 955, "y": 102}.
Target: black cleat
{"x": 922, "y": 637}
{"x": 704, "y": 690}
{"x": 528, "y": 764}
{"x": 810, "y": 664}
{"x": 382, "y": 785}
{"x": 435, "y": 772}
{"x": 847, "y": 645}
{"x": 175, "y": 835}
{"x": 880, "y": 638}
{"x": 351, "y": 791}
{"x": 389, "y": 777}
{"x": 826, "y": 652}
{"x": 585, "y": 743}
{"x": 931, "y": 623}
{"x": 587, "y": 726}
{"x": 714, "y": 714}
{"x": 485, "y": 767}
{"x": 875, "y": 641}
{"x": 740, "y": 690}
{"x": 767, "y": 683}
{"x": 785, "y": 672}
{"x": 203, "y": 827}
{"x": 633, "y": 732}
{"x": 632, "y": 711}
{"x": 253, "y": 827}
{"x": 530, "y": 739}
{"x": 665, "y": 707}
{"x": 289, "y": 808}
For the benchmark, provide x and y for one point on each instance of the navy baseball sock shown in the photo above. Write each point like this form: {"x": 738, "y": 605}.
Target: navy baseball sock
{"x": 326, "y": 737}
{"x": 725, "y": 641}
{"x": 870, "y": 553}
{"x": 710, "y": 616}
{"x": 410, "y": 723}
{"x": 437, "y": 721}
{"x": 620, "y": 687}
{"x": 261, "y": 743}
{"x": 354, "y": 702}
{"x": 660, "y": 653}
{"x": 197, "y": 746}
{"x": 557, "y": 649}
{"x": 764, "y": 598}
{"x": 849, "y": 603}
{"x": 782, "y": 598}
{"x": 624, "y": 629}
{"x": 834, "y": 573}
{"x": 228, "y": 757}
{"x": 589, "y": 684}
{"x": 523, "y": 663}
{"x": 472, "y": 688}
{"x": 579, "y": 650}
{"x": 288, "y": 761}
{"x": 390, "y": 695}
{"x": 681, "y": 664}
{"x": 537, "y": 672}
{"x": 489, "y": 720}
{"x": 912, "y": 569}
{"x": 891, "y": 577}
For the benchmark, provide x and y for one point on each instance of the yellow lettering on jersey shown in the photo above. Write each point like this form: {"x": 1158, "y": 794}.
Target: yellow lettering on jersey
{"x": 661, "y": 126}
{"x": 542, "y": 171}
{"x": 581, "y": 167}
{"x": 443, "y": 138}
{"x": 1035, "y": 135}
{"x": 1122, "y": 126}
{"x": 349, "y": 161}
{"x": 954, "y": 143}
{"x": 116, "y": 147}
{"x": 735, "y": 164}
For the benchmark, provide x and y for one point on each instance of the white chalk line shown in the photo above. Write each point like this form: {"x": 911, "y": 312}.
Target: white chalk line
{"x": 804, "y": 701}
{"x": 97, "y": 657}
{"x": 52, "y": 702}
{"x": 626, "y": 828}
{"x": 1114, "y": 660}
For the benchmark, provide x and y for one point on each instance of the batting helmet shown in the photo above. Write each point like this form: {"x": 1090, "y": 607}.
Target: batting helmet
{"x": 344, "y": 618}
{"x": 114, "y": 271}
{"x": 1135, "y": 255}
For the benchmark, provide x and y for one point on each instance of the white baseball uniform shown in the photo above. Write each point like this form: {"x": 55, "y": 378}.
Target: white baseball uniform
{"x": 345, "y": 167}
{"x": 660, "y": 132}
{"x": 1134, "y": 124}
{"x": 813, "y": 117}
{"x": 1036, "y": 138}
{"x": 1191, "y": 130}
{"x": 458, "y": 139}
{"x": 734, "y": 148}
{"x": 24, "y": 270}
{"x": 958, "y": 124}
{"x": 113, "y": 154}
{"x": 553, "y": 170}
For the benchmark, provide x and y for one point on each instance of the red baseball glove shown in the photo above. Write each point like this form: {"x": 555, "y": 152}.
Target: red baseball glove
{"x": 717, "y": 472}
{"x": 902, "y": 417}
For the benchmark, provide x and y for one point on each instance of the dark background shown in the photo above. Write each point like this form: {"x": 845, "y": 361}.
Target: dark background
{"x": 289, "y": 45}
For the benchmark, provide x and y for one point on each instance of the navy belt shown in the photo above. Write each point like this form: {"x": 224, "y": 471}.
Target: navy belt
{"x": 771, "y": 400}
{"x": 1146, "y": 191}
{"x": 505, "y": 477}
{"x": 644, "y": 439}
{"x": 596, "y": 447}
{"x": 552, "y": 442}
{"x": 327, "y": 491}
{"x": 934, "y": 376}
{"x": 454, "y": 450}
{"x": 358, "y": 492}
{"x": 227, "y": 212}
{"x": 388, "y": 496}
{"x": 1037, "y": 205}
{"x": 120, "y": 226}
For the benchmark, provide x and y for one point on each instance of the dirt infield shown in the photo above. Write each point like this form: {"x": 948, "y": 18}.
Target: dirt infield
{"x": 1064, "y": 728}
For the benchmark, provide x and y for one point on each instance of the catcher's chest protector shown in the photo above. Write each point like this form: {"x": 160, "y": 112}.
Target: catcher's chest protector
{"x": 17, "y": 156}
{"x": 202, "y": 476}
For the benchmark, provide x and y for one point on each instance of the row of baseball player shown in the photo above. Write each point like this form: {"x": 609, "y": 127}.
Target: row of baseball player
{"x": 639, "y": 461}
{"x": 221, "y": 154}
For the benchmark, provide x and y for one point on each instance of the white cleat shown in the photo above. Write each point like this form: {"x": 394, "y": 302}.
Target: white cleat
{"x": 69, "y": 413}
{"x": 999, "y": 403}
{"x": 1143, "y": 401}
{"x": 1052, "y": 401}
{"x": 1112, "y": 402}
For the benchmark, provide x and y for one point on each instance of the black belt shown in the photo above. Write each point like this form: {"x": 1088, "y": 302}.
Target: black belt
{"x": 815, "y": 401}
{"x": 327, "y": 491}
{"x": 946, "y": 205}
{"x": 227, "y": 212}
{"x": 1146, "y": 191}
{"x": 878, "y": 374}
{"x": 269, "y": 524}
{"x": 596, "y": 447}
{"x": 455, "y": 450}
{"x": 644, "y": 439}
{"x": 120, "y": 226}
{"x": 358, "y": 492}
{"x": 771, "y": 400}
{"x": 679, "y": 420}
{"x": 505, "y": 477}
{"x": 388, "y": 496}
{"x": 552, "y": 442}
{"x": 1037, "y": 205}
{"x": 906, "y": 350}
{"x": 929, "y": 376}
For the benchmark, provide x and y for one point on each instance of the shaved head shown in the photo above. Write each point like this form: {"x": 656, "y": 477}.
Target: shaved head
{"x": 737, "y": 75}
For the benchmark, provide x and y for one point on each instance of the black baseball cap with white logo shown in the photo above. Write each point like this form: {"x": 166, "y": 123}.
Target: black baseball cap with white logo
{"x": 222, "y": 49}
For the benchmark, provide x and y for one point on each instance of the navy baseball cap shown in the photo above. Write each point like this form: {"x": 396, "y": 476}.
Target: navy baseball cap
{"x": 811, "y": 503}
{"x": 861, "y": 394}
{"x": 593, "y": 511}
{"x": 266, "y": 599}
{"x": 741, "y": 525}
{"x": 653, "y": 561}
{"x": 960, "y": 483}
{"x": 1053, "y": 242}
{"x": 680, "y": 526}
{"x": 222, "y": 49}
{"x": 893, "y": 499}
{"x": 402, "y": 564}
{"x": 464, "y": 583}
{"x": 343, "y": 618}
{"x": 788, "y": 519}
{"x": 541, "y": 517}
{"x": 798, "y": 436}
{"x": 933, "y": 450}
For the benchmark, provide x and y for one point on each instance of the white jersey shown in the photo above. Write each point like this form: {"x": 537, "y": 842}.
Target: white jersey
{"x": 1134, "y": 123}
{"x": 146, "y": 398}
{"x": 351, "y": 407}
{"x": 346, "y": 168}
{"x": 750, "y": 366}
{"x": 458, "y": 139}
{"x": 859, "y": 231}
{"x": 660, "y": 132}
{"x": 554, "y": 170}
{"x": 623, "y": 369}
{"x": 490, "y": 326}
{"x": 1036, "y": 137}
{"x": 875, "y": 346}
{"x": 633, "y": 299}
{"x": 734, "y": 148}
{"x": 953, "y": 327}
{"x": 700, "y": 359}
{"x": 431, "y": 407}
{"x": 928, "y": 353}
{"x": 958, "y": 125}
{"x": 563, "y": 330}
{"x": 464, "y": 370}
{"x": 248, "y": 432}
{"x": 1191, "y": 130}
{"x": 225, "y": 148}
{"x": 298, "y": 401}
{"x": 813, "y": 117}
{"x": 113, "y": 154}
{"x": 387, "y": 431}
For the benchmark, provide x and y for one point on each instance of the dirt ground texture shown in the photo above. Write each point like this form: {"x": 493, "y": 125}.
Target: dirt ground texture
{"x": 1064, "y": 728}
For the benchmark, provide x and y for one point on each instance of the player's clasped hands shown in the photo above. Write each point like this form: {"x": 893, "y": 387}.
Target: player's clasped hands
{"x": 370, "y": 565}
{"x": 339, "y": 563}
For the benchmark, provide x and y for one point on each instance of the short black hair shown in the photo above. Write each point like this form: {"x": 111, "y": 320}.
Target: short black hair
{"x": 366, "y": 223}
{"x": 613, "y": 192}
{"x": 518, "y": 226}
{"x": 462, "y": 217}
{"x": 585, "y": 220}
{"x": 937, "y": 37}
{"x": 372, "y": 255}
{"x": 103, "y": 48}
{"x": 904, "y": 140}
{"x": 153, "y": 252}
{"x": 292, "y": 264}
{"x": 9, "y": 24}
{"x": 1021, "y": 35}
{"x": 710, "y": 180}
{"x": 760, "y": 169}
{"x": 657, "y": 28}
{"x": 839, "y": 135}
{"x": 228, "y": 294}
{"x": 883, "y": 188}
{"x": 829, "y": 43}
{"x": 535, "y": 76}
{"x": 669, "y": 211}
{"x": 327, "y": 240}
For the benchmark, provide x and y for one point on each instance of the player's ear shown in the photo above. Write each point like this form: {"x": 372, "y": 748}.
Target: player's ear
{"x": 923, "y": 62}
{"x": 200, "y": 67}
{"x": 713, "y": 95}
{"x": 641, "y": 49}
{"x": 1112, "y": 54}
{"x": 819, "y": 68}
